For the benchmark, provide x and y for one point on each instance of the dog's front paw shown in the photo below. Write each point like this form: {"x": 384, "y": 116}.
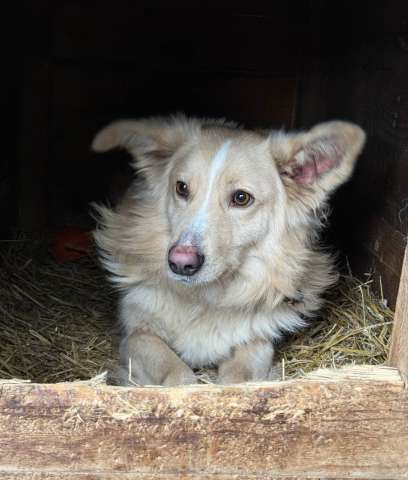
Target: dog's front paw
{"x": 229, "y": 376}
{"x": 180, "y": 376}
{"x": 275, "y": 373}
{"x": 120, "y": 376}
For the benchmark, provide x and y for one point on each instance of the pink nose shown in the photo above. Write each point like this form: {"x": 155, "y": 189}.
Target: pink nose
{"x": 185, "y": 259}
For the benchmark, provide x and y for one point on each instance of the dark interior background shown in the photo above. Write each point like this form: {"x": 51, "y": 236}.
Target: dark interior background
{"x": 72, "y": 66}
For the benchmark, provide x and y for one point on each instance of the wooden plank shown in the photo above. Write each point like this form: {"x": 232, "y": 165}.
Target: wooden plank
{"x": 380, "y": 253}
{"x": 350, "y": 425}
{"x": 133, "y": 476}
{"x": 399, "y": 340}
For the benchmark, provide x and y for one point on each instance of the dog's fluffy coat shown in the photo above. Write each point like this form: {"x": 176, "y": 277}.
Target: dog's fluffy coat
{"x": 263, "y": 270}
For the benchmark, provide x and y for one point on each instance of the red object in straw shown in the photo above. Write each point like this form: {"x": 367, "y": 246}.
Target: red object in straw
{"x": 71, "y": 243}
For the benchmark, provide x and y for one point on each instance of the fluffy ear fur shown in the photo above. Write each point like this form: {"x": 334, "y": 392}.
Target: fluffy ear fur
{"x": 315, "y": 163}
{"x": 151, "y": 141}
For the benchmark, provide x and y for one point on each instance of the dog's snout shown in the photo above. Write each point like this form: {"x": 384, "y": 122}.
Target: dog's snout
{"x": 185, "y": 259}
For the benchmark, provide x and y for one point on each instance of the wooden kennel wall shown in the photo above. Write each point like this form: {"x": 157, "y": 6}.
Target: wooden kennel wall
{"x": 84, "y": 63}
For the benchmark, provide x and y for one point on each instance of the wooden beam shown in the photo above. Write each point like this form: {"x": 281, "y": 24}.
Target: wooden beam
{"x": 398, "y": 357}
{"x": 349, "y": 425}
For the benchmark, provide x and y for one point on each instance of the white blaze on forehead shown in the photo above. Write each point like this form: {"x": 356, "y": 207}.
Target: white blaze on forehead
{"x": 216, "y": 165}
{"x": 199, "y": 222}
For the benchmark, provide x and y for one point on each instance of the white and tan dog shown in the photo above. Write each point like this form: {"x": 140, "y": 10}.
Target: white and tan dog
{"x": 214, "y": 245}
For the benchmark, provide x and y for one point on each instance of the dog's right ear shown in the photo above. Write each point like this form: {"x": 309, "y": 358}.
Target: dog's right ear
{"x": 313, "y": 164}
{"x": 151, "y": 141}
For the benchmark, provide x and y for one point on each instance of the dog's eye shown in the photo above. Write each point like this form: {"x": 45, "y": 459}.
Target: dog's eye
{"x": 182, "y": 189}
{"x": 241, "y": 199}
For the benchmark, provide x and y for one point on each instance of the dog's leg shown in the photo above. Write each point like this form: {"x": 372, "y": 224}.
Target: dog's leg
{"x": 147, "y": 360}
{"x": 250, "y": 362}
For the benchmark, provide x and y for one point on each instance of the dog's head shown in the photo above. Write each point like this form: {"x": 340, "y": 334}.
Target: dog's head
{"x": 225, "y": 191}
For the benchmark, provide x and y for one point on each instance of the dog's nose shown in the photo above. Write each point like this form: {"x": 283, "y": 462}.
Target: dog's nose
{"x": 185, "y": 259}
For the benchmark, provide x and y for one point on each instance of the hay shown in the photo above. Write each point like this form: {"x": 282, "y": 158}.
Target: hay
{"x": 56, "y": 319}
{"x": 57, "y": 322}
{"x": 354, "y": 328}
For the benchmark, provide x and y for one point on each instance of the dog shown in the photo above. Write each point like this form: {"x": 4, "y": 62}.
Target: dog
{"x": 214, "y": 247}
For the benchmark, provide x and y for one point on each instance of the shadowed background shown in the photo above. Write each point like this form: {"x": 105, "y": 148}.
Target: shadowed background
{"x": 73, "y": 66}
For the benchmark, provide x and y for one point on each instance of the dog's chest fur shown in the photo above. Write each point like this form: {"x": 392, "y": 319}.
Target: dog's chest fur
{"x": 201, "y": 334}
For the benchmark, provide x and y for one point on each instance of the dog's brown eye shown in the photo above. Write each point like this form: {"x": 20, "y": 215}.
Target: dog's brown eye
{"x": 182, "y": 189}
{"x": 241, "y": 199}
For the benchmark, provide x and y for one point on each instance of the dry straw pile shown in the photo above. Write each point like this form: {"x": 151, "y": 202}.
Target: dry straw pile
{"x": 57, "y": 321}
{"x": 355, "y": 327}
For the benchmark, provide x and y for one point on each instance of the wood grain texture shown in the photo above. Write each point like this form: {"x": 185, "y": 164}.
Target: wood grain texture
{"x": 348, "y": 426}
{"x": 154, "y": 476}
{"x": 142, "y": 476}
{"x": 399, "y": 339}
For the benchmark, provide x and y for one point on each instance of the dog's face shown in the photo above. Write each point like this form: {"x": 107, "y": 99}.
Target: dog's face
{"x": 222, "y": 197}
{"x": 226, "y": 191}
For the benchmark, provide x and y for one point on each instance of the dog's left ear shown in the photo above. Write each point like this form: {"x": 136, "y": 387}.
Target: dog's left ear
{"x": 315, "y": 163}
{"x": 151, "y": 141}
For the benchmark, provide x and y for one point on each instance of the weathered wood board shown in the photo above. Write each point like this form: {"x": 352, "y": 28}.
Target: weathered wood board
{"x": 399, "y": 339}
{"x": 350, "y": 425}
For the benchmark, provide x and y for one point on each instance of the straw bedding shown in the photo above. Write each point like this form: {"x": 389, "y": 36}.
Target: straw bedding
{"x": 57, "y": 321}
